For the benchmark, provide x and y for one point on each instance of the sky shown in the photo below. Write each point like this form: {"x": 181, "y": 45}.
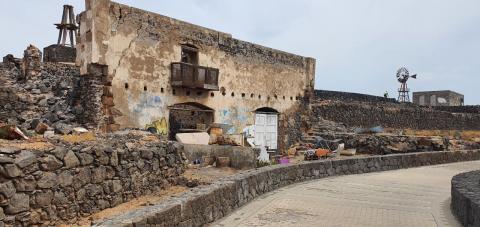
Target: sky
{"x": 358, "y": 44}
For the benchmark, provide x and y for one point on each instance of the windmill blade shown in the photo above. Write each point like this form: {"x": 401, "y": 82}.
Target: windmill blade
{"x": 414, "y": 76}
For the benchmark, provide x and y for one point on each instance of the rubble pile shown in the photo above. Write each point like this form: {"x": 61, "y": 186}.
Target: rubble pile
{"x": 54, "y": 181}
{"x": 371, "y": 143}
{"x": 35, "y": 93}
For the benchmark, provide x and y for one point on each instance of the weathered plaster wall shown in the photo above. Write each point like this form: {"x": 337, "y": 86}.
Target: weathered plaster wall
{"x": 438, "y": 98}
{"x": 139, "y": 47}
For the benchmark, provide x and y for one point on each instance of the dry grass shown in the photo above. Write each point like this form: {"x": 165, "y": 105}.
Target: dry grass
{"x": 34, "y": 143}
{"x": 89, "y": 136}
{"x": 469, "y": 135}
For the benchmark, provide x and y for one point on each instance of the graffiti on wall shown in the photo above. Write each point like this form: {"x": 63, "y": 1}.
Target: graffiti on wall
{"x": 158, "y": 127}
{"x": 237, "y": 117}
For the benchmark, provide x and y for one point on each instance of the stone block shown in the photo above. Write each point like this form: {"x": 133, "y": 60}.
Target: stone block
{"x": 18, "y": 203}
{"x": 50, "y": 163}
{"x": 25, "y": 158}
{"x": 71, "y": 160}
{"x": 10, "y": 171}
{"x": 47, "y": 180}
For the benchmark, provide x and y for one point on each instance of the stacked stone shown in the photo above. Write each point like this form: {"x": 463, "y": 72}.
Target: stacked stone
{"x": 205, "y": 204}
{"x": 47, "y": 97}
{"x": 32, "y": 57}
{"x": 385, "y": 143}
{"x": 392, "y": 115}
{"x": 68, "y": 181}
{"x": 466, "y": 198}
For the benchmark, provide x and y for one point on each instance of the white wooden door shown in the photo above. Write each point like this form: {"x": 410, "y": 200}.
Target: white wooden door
{"x": 266, "y": 126}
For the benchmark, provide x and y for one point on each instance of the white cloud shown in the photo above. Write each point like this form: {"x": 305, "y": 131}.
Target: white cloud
{"x": 358, "y": 44}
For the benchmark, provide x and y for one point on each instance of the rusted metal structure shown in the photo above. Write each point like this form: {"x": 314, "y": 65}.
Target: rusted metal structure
{"x": 403, "y": 92}
{"x": 67, "y": 27}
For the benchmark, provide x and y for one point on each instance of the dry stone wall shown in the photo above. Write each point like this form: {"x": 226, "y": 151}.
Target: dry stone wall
{"x": 205, "y": 204}
{"x": 48, "y": 97}
{"x": 466, "y": 198}
{"x": 67, "y": 181}
{"x": 392, "y": 115}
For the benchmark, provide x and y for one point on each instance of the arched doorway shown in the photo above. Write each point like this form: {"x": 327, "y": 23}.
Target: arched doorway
{"x": 189, "y": 117}
{"x": 266, "y": 128}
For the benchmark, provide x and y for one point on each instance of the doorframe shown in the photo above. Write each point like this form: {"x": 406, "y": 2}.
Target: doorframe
{"x": 269, "y": 111}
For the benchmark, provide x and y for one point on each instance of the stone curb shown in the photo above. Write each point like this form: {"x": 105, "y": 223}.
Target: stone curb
{"x": 466, "y": 198}
{"x": 206, "y": 204}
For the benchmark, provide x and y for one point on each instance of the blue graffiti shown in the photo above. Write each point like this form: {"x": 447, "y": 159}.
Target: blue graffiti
{"x": 146, "y": 101}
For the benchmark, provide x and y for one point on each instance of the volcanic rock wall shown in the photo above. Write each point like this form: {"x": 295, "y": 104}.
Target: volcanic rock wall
{"x": 62, "y": 182}
{"x": 360, "y": 113}
{"x": 48, "y": 96}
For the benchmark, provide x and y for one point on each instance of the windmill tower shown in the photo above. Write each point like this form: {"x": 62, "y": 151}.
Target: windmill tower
{"x": 67, "y": 27}
{"x": 403, "y": 92}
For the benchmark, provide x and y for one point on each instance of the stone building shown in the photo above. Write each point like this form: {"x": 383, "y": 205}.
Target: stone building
{"x": 438, "y": 98}
{"x": 178, "y": 76}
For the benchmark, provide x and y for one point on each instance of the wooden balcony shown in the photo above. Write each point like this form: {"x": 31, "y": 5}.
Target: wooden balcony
{"x": 194, "y": 76}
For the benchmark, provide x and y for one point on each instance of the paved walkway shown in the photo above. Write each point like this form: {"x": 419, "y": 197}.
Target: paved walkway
{"x": 408, "y": 197}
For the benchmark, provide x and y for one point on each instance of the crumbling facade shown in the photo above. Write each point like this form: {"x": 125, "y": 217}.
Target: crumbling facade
{"x": 438, "y": 98}
{"x": 176, "y": 76}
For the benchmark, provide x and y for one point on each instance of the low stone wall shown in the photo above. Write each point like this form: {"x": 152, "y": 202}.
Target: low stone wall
{"x": 349, "y": 97}
{"x": 466, "y": 198}
{"x": 391, "y": 115}
{"x": 206, "y": 204}
{"x": 63, "y": 182}
{"x": 240, "y": 157}
{"x": 459, "y": 109}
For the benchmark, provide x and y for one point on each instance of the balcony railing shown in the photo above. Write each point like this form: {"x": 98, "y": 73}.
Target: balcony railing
{"x": 194, "y": 76}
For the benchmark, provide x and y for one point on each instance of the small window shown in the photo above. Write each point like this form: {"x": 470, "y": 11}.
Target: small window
{"x": 187, "y": 93}
{"x": 259, "y": 97}
{"x": 212, "y": 94}
{"x": 223, "y": 91}
{"x": 189, "y": 54}
{"x": 233, "y": 94}
{"x": 145, "y": 88}
{"x": 284, "y": 97}
{"x": 291, "y": 98}
{"x": 126, "y": 85}
{"x": 173, "y": 92}
{"x": 252, "y": 95}
{"x": 243, "y": 95}
{"x": 275, "y": 96}
{"x": 199, "y": 93}
{"x": 162, "y": 90}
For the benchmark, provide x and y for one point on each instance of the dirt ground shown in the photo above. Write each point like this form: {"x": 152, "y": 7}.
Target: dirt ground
{"x": 36, "y": 143}
{"x": 130, "y": 205}
{"x": 209, "y": 174}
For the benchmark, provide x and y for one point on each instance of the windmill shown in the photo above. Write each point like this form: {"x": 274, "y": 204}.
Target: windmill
{"x": 403, "y": 92}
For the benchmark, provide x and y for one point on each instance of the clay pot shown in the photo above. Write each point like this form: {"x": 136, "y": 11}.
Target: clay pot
{"x": 223, "y": 162}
